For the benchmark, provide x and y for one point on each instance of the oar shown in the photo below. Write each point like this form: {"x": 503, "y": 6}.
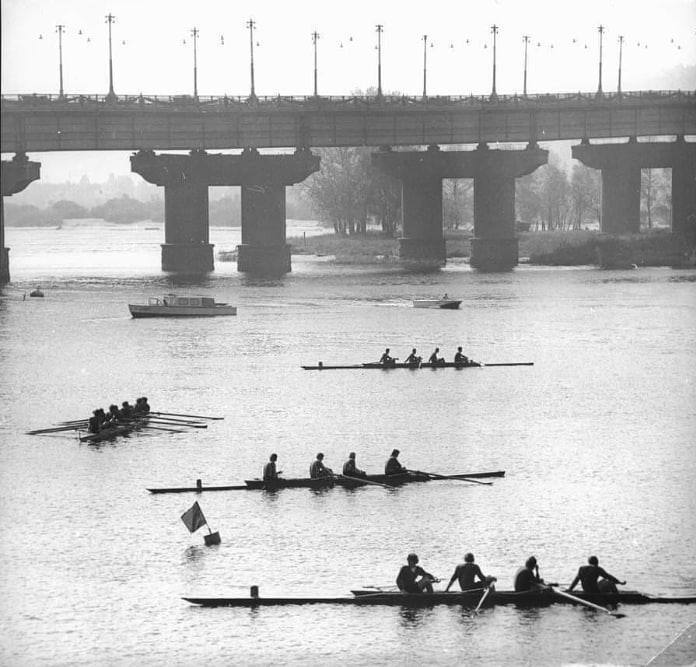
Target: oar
{"x": 157, "y": 421}
{"x": 362, "y": 480}
{"x": 519, "y": 363}
{"x": 460, "y": 479}
{"x": 588, "y": 604}
{"x": 176, "y": 414}
{"x": 55, "y": 429}
{"x": 483, "y": 597}
{"x": 159, "y": 428}
{"x": 380, "y": 588}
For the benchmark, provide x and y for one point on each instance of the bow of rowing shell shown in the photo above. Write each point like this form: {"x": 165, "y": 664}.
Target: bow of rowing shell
{"x": 94, "y": 122}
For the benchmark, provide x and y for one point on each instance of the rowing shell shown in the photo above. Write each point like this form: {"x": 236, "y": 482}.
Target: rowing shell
{"x": 464, "y": 598}
{"x": 325, "y": 482}
{"x": 413, "y": 367}
{"x": 114, "y": 432}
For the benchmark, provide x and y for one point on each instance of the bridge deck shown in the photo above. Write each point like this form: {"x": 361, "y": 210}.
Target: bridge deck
{"x": 93, "y": 122}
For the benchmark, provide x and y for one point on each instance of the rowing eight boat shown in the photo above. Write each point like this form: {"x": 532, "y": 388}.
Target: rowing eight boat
{"x": 464, "y": 598}
{"x": 328, "y": 482}
{"x": 114, "y": 431}
{"x": 413, "y": 367}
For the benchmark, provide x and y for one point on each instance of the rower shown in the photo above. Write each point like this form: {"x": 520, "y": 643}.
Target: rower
{"x": 434, "y": 359}
{"x": 461, "y": 358}
{"x": 94, "y": 424}
{"x": 412, "y": 359}
{"x": 101, "y": 416}
{"x": 386, "y": 359}
{"x": 467, "y": 573}
{"x": 392, "y": 466}
{"x": 112, "y": 416}
{"x": 527, "y": 577}
{"x": 126, "y": 410}
{"x": 350, "y": 469}
{"x": 414, "y": 579}
{"x": 589, "y": 574}
{"x": 318, "y": 469}
{"x": 269, "y": 470}
{"x": 141, "y": 406}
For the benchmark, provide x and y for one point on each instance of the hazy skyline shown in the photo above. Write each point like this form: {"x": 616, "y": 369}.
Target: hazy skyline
{"x": 150, "y": 55}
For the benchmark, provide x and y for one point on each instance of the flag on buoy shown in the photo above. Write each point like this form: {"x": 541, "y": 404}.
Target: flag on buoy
{"x": 194, "y": 519}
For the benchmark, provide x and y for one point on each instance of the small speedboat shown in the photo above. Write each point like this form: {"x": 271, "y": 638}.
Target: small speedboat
{"x": 172, "y": 305}
{"x": 444, "y": 302}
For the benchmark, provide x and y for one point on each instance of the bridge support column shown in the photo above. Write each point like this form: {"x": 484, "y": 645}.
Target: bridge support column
{"x": 263, "y": 244}
{"x": 421, "y": 210}
{"x": 684, "y": 191}
{"x": 16, "y": 175}
{"x": 186, "y": 247}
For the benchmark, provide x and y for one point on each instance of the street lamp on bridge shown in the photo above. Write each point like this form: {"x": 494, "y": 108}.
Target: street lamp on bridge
{"x": 60, "y": 28}
{"x": 194, "y": 34}
{"x": 251, "y": 24}
{"x": 379, "y": 27}
{"x": 425, "y": 65}
{"x": 315, "y": 37}
{"x": 110, "y": 18}
{"x": 494, "y": 30}
{"x": 525, "y": 39}
{"x": 621, "y": 41}
{"x": 600, "y": 30}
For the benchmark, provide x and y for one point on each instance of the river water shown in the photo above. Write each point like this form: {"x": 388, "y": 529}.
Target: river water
{"x": 597, "y": 439}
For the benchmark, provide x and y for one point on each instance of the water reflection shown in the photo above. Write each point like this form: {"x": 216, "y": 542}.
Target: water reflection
{"x": 414, "y": 616}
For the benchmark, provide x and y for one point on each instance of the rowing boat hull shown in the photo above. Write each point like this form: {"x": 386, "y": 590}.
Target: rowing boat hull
{"x": 443, "y": 304}
{"x": 461, "y": 598}
{"x": 306, "y": 482}
{"x": 115, "y": 432}
{"x": 412, "y": 367}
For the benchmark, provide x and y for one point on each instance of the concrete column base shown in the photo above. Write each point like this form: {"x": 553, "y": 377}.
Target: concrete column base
{"x": 423, "y": 250}
{"x": 187, "y": 257}
{"x": 4, "y": 265}
{"x": 265, "y": 259}
{"x": 494, "y": 254}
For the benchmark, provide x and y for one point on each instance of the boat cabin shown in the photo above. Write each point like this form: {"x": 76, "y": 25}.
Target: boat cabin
{"x": 173, "y": 300}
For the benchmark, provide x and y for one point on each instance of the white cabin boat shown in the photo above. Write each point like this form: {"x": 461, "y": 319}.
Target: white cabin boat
{"x": 448, "y": 304}
{"x": 172, "y": 305}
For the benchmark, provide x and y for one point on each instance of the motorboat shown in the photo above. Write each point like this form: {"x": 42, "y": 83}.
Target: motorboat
{"x": 172, "y": 305}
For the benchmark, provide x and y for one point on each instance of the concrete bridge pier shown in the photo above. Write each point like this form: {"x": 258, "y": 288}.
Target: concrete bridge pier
{"x": 621, "y": 165}
{"x": 17, "y": 173}
{"x": 263, "y": 179}
{"x": 494, "y": 247}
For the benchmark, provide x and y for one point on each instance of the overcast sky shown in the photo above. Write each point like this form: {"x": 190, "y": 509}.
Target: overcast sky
{"x": 150, "y": 55}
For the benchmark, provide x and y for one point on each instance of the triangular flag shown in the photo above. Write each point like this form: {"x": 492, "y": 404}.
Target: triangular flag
{"x": 193, "y": 518}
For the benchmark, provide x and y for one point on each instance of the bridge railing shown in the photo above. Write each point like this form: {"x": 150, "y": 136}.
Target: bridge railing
{"x": 223, "y": 101}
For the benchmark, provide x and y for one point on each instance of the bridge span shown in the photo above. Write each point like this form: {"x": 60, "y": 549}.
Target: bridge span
{"x": 39, "y": 123}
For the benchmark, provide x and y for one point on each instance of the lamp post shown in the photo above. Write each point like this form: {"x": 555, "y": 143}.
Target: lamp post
{"x": 110, "y": 18}
{"x": 600, "y": 30}
{"x": 379, "y": 28}
{"x": 194, "y": 34}
{"x": 494, "y": 30}
{"x": 621, "y": 41}
{"x": 425, "y": 66}
{"x": 60, "y": 28}
{"x": 251, "y": 24}
{"x": 525, "y": 39}
{"x": 315, "y": 37}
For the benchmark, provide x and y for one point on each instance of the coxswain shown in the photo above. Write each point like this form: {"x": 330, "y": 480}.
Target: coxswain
{"x": 434, "y": 359}
{"x": 467, "y": 573}
{"x": 93, "y": 425}
{"x": 350, "y": 469}
{"x": 588, "y": 576}
{"x": 414, "y": 579}
{"x": 386, "y": 359}
{"x": 126, "y": 410}
{"x": 527, "y": 577}
{"x": 318, "y": 469}
{"x": 460, "y": 358}
{"x": 269, "y": 470}
{"x": 392, "y": 466}
{"x": 413, "y": 359}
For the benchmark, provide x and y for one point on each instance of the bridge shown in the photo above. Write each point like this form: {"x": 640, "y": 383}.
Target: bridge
{"x": 39, "y": 123}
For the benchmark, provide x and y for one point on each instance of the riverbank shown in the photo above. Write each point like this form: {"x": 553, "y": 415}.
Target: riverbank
{"x": 555, "y": 248}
